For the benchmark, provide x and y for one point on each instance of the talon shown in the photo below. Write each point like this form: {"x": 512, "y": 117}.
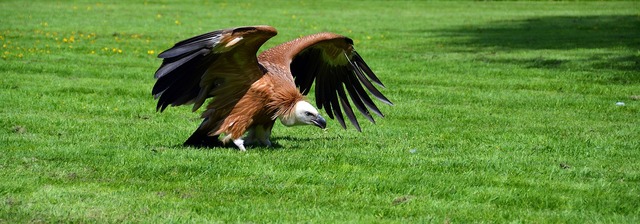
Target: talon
{"x": 267, "y": 143}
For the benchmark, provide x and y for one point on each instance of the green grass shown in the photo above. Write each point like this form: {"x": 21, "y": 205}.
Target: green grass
{"x": 504, "y": 112}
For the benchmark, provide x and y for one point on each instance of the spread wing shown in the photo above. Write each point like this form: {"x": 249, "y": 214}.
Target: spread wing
{"x": 220, "y": 63}
{"x": 342, "y": 78}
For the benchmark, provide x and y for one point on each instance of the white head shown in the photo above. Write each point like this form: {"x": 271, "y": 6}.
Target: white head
{"x": 304, "y": 114}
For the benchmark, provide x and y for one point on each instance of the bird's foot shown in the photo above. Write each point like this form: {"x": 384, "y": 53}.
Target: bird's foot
{"x": 252, "y": 140}
{"x": 266, "y": 143}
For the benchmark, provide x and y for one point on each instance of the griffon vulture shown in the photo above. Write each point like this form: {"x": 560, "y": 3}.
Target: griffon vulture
{"x": 249, "y": 93}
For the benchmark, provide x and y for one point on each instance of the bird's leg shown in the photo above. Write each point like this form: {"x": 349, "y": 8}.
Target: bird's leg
{"x": 264, "y": 137}
{"x": 261, "y": 134}
{"x": 250, "y": 138}
{"x": 258, "y": 135}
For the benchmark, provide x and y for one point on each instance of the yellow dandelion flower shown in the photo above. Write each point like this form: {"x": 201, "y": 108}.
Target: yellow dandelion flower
{"x": 177, "y": 22}
{"x": 151, "y": 52}
{"x": 93, "y": 52}
{"x": 119, "y": 51}
{"x": 65, "y": 40}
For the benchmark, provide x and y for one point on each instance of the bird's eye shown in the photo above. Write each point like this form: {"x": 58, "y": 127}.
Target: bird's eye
{"x": 308, "y": 114}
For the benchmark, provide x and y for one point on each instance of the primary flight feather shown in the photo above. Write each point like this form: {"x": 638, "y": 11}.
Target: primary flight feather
{"x": 249, "y": 93}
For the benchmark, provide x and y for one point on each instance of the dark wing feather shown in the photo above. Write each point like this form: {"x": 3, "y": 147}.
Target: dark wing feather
{"x": 191, "y": 70}
{"x": 179, "y": 82}
{"x": 347, "y": 109}
{"x": 338, "y": 71}
{"x": 206, "y": 41}
{"x": 365, "y": 68}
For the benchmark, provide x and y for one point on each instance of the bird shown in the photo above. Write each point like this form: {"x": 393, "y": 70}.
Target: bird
{"x": 247, "y": 92}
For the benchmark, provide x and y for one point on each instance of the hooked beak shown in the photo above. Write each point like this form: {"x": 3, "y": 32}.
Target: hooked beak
{"x": 319, "y": 121}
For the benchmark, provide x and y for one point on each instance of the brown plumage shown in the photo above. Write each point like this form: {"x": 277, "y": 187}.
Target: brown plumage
{"x": 249, "y": 93}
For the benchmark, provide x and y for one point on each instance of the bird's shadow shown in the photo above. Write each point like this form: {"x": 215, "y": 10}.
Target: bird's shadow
{"x": 275, "y": 145}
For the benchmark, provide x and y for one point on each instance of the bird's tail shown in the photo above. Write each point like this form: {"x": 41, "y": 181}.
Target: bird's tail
{"x": 201, "y": 139}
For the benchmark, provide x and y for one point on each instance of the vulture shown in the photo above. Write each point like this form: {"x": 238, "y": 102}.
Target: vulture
{"x": 249, "y": 92}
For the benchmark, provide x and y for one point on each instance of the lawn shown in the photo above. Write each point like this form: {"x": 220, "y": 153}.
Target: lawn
{"x": 504, "y": 112}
